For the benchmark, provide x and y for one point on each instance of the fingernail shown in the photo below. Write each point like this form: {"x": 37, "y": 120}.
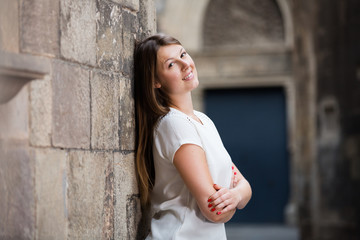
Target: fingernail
{"x": 213, "y": 209}
{"x": 218, "y": 213}
{"x": 209, "y": 200}
{"x": 210, "y": 205}
{"x": 232, "y": 167}
{"x": 234, "y": 173}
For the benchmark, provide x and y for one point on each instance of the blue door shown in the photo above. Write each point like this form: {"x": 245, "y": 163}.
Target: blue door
{"x": 252, "y": 125}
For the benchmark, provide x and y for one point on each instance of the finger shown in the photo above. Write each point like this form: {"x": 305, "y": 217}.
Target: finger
{"x": 219, "y": 196}
{"x": 225, "y": 210}
{"x": 216, "y": 187}
{"x": 223, "y": 204}
{"x": 222, "y": 198}
{"x": 215, "y": 195}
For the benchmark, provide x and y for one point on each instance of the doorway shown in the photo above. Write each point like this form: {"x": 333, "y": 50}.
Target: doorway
{"x": 252, "y": 125}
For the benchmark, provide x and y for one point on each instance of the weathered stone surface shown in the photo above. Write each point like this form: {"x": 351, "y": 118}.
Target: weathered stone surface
{"x": 78, "y": 30}
{"x": 9, "y": 26}
{"x": 40, "y": 27}
{"x": 129, "y": 34}
{"x": 87, "y": 176}
{"x": 40, "y": 112}
{"x": 105, "y": 95}
{"x": 109, "y": 201}
{"x": 221, "y": 65}
{"x": 14, "y": 117}
{"x": 71, "y": 106}
{"x": 17, "y": 203}
{"x": 127, "y": 208}
{"x": 51, "y": 196}
{"x": 250, "y": 19}
{"x": 147, "y": 19}
{"x": 132, "y": 4}
{"x": 109, "y": 36}
{"x": 127, "y": 115}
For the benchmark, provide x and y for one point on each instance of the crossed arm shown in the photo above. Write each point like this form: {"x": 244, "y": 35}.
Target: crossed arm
{"x": 217, "y": 203}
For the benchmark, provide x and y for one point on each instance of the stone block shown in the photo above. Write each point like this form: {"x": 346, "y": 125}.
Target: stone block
{"x": 9, "y": 26}
{"x": 147, "y": 18}
{"x": 127, "y": 115}
{"x": 78, "y": 30}
{"x": 17, "y": 200}
{"x": 89, "y": 182}
{"x": 51, "y": 205}
{"x": 105, "y": 95}
{"x": 131, "y": 4}
{"x": 40, "y": 112}
{"x": 70, "y": 106}
{"x": 109, "y": 36}
{"x": 127, "y": 207}
{"x": 40, "y": 27}
{"x": 14, "y": 117}
{"x": 130, "y": 25}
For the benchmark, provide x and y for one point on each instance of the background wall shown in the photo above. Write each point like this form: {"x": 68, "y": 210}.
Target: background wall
{"x": 67, "y": 139}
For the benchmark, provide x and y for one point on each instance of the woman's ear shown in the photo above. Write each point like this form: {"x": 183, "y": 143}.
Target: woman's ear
{"x": 157, "y": 85}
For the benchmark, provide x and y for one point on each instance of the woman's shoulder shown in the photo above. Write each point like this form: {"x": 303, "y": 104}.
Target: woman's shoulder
{"x": 203, "y": 117}
{"x": 171, "y": 120}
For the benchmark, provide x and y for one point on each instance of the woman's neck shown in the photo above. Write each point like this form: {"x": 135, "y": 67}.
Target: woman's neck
{"x": 183, "y": 104}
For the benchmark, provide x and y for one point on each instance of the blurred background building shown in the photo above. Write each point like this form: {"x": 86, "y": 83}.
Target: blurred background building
{"x": 280, "y": 79}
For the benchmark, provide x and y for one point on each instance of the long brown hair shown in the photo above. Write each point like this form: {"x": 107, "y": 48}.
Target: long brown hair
{"x": 151, "y": 103}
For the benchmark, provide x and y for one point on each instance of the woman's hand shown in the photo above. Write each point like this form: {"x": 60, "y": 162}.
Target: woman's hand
{"x": 237, "y": 196}
{"x": 224, "y": 200}
{"x": 235, "y": 178}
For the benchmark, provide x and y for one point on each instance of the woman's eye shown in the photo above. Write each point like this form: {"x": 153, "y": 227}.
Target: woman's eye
{"x": 171, "y": 64}
{"x": 183, "y": 54}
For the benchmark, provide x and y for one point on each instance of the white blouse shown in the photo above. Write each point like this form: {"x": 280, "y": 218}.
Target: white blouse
{"x": 176, "y": 214}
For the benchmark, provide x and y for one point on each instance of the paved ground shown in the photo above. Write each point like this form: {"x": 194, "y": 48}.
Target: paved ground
{"x": 261, "y": 232}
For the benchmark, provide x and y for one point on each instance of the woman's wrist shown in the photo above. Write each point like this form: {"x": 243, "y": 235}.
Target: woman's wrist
{"x": 243, "y": 192}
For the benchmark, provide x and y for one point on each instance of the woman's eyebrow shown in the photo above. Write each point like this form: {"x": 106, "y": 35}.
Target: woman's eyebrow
{"x": 181, "y": 49}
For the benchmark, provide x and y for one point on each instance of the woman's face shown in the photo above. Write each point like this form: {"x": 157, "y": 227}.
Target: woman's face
{"x": 176, "y": 72}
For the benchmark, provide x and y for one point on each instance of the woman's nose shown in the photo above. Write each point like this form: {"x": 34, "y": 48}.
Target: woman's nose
{"x": 185, "y": 64}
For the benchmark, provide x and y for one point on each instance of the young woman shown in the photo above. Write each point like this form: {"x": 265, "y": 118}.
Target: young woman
{"x": 185, "y": 174}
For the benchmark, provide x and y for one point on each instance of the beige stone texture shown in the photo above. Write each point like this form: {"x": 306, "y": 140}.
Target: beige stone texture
{"x": 190, "y": 14}
{"x": 14, "y": 117}
{"x": 40, "y": 27}
{"x": 105, "y": 95}
{"x": 131, "y": 4}
{"x": 78, "y": 30}
{"x": 129, "y": 34}
{"x": 86, "y": 193}
{"x": 127, "y": 115}
{"x": 9, "y": 26}
{"x": 40, "y": 112}
{"x": 17, "y": 200}
{"x": 71, "y": 106}
{"x": 109, "y": 36}
{"x": 51, "y": 193}
{"x": 127, "y": 208}
{"x": 147, "y": 18}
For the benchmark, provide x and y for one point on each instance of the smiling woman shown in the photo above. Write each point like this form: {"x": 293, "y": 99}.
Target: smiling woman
{"x": 185, "y": 174}
{"x": 176, "y": 72}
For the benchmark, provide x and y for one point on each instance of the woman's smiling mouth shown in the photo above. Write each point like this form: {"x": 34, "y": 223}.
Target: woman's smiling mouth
{"x": 188, "y": 76}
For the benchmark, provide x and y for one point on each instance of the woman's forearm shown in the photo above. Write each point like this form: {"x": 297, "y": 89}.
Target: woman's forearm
{"x": 243, "y": 189}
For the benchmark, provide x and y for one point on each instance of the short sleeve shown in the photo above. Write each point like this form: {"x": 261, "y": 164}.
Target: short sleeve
{"x": 172, "y": 132}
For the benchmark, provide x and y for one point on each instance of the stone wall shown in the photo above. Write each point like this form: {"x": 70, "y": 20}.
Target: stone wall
{"x": 67, "y": 140}
{"x": 326, "y": 60}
